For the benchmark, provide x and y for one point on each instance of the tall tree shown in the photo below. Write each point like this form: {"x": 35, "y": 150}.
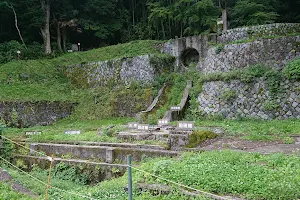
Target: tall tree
{"x": 45, "y": 28}
{"x": 247, "y": 12}
{"x": 64, "y": 15}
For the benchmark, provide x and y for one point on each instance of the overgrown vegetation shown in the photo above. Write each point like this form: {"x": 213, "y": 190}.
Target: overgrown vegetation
{"x": 177, "y": 83}
{"x": 228, "y": 95}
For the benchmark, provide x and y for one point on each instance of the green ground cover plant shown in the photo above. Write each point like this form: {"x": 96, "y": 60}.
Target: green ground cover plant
{"x": 256, "y": 130}
{"x": 7, "y": 193}
{"x": 89, "y": 130}
{"x": 251, "y": 176}
{"x": 247, "y": 175}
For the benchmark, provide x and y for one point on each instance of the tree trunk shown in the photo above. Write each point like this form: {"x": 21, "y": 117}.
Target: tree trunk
{"x": 16, "y": 24}
{"x": 181, "y": 29}
{"x": 163, "y": 29}
{"x": 58, "y": 37}
{"x": 45, "y": 31}
{"x": 224, "y": 19}
{"x": 133, "y": 14}
{"x": 64, "y": 37}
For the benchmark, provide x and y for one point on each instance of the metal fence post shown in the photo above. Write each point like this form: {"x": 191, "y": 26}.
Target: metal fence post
{"x": 1, "y": 141}
{"x": 129, "y": 177}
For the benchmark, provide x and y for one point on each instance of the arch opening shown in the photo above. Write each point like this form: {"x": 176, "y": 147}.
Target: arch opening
{"x": 190, "y": 56}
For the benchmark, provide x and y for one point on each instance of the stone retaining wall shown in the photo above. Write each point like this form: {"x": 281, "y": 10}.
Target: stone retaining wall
{"x": 250, "y": 100}
{"x": 28, "y": 113}
{"x": 271, "y": 52}
{"x": 279, "y": 29}
{"x": 117, "y": 71}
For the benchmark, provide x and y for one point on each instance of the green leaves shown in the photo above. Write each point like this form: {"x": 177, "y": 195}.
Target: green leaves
{"x": 292, "y": 69}
{"x": 247, "y": 12}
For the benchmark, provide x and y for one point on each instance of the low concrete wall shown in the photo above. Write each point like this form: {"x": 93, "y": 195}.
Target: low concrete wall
{"x": 103, "y": 153}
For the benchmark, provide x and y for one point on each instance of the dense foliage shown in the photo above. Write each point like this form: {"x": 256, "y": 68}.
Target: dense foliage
{"x": 57, "y": 24}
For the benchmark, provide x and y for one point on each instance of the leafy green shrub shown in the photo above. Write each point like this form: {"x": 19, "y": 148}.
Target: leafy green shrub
{"x": 162, "y": 62}
{"x": 219, "y": 48}
{"x": 292, "y": 69}
{"x": 274, "y": 79}
{"x": 252, "y": 72}
{"x": 228, "y": 95}
{"x": 271, "y": 105}
{"x": 112, "y": 131}
{"x": 288, "y": 140}
{"x": 199, "y": 136}
{"x": 8, "y": 51}
{"x": 65, "y": 172}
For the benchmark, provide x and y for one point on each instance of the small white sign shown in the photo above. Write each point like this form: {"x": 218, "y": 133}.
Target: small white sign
{"x": 33, "y": 133}
{"x": 163, "y": 122}
{"x": 144, "y": 127}
{"x": 72, "y": 132}
{"x": 185, "y": 125}
{"x": 133, "y": 125}
{"x": 175, "y": 108}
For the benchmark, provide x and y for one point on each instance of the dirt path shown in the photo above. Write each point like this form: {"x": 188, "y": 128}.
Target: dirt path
{"x": 6, "y": 178}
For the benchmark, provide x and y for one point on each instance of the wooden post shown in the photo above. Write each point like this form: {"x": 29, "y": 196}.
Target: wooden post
{"x": 49, "y": 176}
{"x": 1, "y": 141}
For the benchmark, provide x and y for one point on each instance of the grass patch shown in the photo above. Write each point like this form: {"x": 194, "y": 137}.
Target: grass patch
{"x": 55, "y": 132}
{"x": 44, "y": 79}
{"x": 255, "y": 127}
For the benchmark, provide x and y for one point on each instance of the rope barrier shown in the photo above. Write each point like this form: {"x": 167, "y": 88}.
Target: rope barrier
{"x": 137, "y": 169}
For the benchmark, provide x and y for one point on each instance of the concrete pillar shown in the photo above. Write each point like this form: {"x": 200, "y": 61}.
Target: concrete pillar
{"x": 110, "y": 155}
{"x": 33, "y": 148}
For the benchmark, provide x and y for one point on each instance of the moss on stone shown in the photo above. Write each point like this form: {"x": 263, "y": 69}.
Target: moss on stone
{"x": 199, "y": 136}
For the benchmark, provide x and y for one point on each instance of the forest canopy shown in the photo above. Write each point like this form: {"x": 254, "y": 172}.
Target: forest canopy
{"x": 53, "y": 25}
